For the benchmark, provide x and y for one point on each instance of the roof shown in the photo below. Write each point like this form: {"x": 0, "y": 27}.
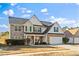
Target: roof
{"x": 46, "y": 23}
{"x": 48, "y": 28}
{"x": 73, "y": 31}
{"x": 16, "y": 20}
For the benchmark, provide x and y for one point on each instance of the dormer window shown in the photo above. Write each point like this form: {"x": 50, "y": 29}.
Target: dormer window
{"x": 56, "y": 29}
{"x": 39, "y": 30}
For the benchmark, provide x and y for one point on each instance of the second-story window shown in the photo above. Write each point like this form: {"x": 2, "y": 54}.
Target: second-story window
{"x": 39, "y": 30}
{"x": 56, "y": 29}
{"x": 16, "y": 28}
{"x": 19, "y": 28}
{"x": 30, "y": 28}
{"x": 26, "y": 28}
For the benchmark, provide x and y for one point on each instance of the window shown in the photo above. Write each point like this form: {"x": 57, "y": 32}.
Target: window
{"x": 30, "y": 28}
{"x": 26, "y": 28}
{"x": 16, "y": 28}
{"x": 34, "y": 29}
{"x": 19, "y": 28}
{"x": 39, "y": 30}
{"x": 55, "y": 29}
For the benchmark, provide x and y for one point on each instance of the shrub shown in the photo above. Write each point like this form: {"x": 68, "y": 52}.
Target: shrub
{"x": 65, "y": 40}
{"x": 36, "y": 43}
{"x": 15, "y": 42}
{"x": 43, "y": 43}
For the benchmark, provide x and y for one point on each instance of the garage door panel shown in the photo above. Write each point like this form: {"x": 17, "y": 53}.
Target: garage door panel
{"x": 55, "y": 40}
{"x": 76, "y": 40}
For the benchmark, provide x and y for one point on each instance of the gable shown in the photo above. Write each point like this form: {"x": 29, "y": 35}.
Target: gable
{"x": 73, "y": 31}
{"x": 52, "y": 28}
{"x": 68, "y": 34}
{"x": 77, "y": 33}
{"x": 34, "y": 20}
{"x": 28, "y": 23}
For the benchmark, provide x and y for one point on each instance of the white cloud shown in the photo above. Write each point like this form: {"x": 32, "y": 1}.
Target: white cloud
{"x": 9, "y": 12}
{"x": 3, "y": 26}
{"x": 22, "y": 9}
{"x": 77, "y": 3}
{"x": 13, "y": 4}
{"x": 25, "y": 15}
{"x": 29, "y": 11}
{"x": 65, "y": 21}
{"x": 52, "y": 17}
{"x": 45, "y": 10}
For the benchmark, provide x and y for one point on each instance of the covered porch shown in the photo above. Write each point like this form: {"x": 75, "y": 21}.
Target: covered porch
{"x": 36, "y": 39}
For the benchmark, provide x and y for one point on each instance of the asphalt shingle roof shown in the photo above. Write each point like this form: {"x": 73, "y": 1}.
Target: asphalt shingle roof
{"x": 73, "y": 31}
{"x": 14, "y": 20}
{"x": 46, "y": 23}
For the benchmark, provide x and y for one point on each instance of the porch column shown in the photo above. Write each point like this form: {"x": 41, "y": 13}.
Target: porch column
{"x": 26, "y": 36}
{"x": 34, "y": 39}
{"x": 46, "y": 39}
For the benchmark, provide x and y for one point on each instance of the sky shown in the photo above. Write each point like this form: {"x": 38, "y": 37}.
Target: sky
{"x": 66, "y": 14}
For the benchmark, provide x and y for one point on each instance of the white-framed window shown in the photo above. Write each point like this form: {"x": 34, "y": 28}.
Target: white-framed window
{"x": 56, "y": 29}
{"x": 17, "y": 28}
{"x": 30, "y": 29}
{"x": 25, "y": 28}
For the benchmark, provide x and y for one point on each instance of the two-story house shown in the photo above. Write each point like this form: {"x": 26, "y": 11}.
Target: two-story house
{"x": 35, "y": 30}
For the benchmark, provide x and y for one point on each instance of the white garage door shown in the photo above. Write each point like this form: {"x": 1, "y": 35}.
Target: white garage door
{"x": 76, "y": 40}
{"x": 55, "y": 40}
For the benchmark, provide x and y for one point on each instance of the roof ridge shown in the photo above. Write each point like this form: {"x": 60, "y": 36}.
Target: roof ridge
{"x": 17, "y": 17}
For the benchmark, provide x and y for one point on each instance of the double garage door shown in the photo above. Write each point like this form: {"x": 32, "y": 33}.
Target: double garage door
{"x": 55, "y": 40}
{"x": 76, "y": 40}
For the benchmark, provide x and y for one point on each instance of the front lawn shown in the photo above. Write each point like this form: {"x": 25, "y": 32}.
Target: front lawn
{"x": 28, "y": 49}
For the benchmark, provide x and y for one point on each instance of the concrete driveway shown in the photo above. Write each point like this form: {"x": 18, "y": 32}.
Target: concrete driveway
{"x": 71, "y": 47}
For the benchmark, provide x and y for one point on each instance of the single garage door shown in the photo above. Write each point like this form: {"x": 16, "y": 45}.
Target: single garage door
{"x": 55, "y": 40}
{"x": 76, "y": 40}
{"x": 70, "y": 40}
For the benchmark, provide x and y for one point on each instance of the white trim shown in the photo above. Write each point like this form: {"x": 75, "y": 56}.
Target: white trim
{"x": 34, "y": 39}
{"x": 34, "y": 35}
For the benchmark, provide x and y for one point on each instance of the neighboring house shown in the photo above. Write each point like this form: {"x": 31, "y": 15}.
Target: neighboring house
{"x": 73, "y": 35}
{"x": 35, "y": 30}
